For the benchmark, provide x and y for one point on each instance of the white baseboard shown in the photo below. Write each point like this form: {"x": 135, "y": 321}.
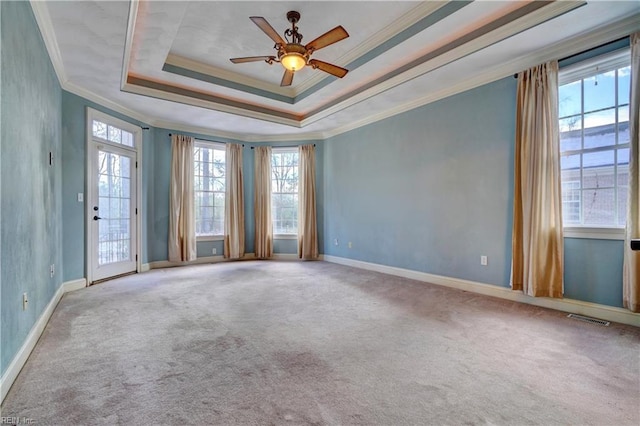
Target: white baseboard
{"x": 285, "y": 256}
{"x": 32, "y": 338}
{"x": 594, "y": 310}
{"x": 214, "y": 259}
{"x": 199, "y": 261}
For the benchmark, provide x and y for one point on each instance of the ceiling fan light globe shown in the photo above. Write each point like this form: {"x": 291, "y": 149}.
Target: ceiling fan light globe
{"x": 293, "y": 61}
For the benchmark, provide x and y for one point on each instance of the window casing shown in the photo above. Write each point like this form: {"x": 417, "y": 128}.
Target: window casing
{"x": 209, "y": 189}
{"x": 284, "y": 192}
{"x": 594, "y": 143}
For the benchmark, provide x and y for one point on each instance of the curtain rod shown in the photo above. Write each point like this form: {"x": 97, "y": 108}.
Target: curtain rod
{"x": 585, "y": 51}
{"x": 287, "y": 146}
{"x": 206, "y": 140}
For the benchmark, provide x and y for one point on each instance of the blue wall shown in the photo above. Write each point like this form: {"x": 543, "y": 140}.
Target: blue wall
{"x": 31, "y": 235}
{"x": 432, "y": 190}
{"x": 428, "y": 190}
{"x": 593, "y": 270}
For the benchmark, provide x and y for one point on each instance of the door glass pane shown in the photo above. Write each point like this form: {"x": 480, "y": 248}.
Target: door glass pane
{"x": 127, "y": 138}
{"x": 114, "y": 208}
{"x": 99, "y": 129}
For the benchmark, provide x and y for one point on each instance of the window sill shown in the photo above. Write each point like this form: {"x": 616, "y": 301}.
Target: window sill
{"x": 285, "y": 237}
{"x": 210, "y": 238}
{"x": 594, "y": 233}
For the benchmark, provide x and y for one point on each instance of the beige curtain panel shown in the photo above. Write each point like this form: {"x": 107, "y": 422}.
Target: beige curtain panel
{"x": 262, "y": 203}
{"x": 182, "y": 219}
{"x": 537, "y": 240}
{"x": 307, "y": 224}
{"x": 631, "y": 274}
{"x": 233, "y": 203}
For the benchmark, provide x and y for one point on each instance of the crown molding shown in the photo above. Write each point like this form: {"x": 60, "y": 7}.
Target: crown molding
{"x": 247, "y": 137}
{"x": 107, "y": 103}
{"x": 43, "y": 19}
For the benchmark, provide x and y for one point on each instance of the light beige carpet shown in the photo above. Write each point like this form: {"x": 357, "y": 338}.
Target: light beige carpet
{"x": 291, "y": 343}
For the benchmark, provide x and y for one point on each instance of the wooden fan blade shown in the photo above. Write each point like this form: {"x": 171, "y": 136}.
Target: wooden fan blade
{"x": 329, "y": 68}
{"x": 330, "y": 37}
{"x": 268, "y": 29}
{"x": 251, "y": 59}
{"x": 287, "y": 78}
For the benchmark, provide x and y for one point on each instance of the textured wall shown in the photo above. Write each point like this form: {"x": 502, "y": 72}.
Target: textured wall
{"x": 31, "y": 235}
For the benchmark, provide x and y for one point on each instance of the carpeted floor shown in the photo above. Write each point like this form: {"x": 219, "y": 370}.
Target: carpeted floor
{"x": 318, "y": 343}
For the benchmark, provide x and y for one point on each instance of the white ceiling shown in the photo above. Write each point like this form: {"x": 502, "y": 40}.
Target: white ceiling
{"x": 167, "y": 63}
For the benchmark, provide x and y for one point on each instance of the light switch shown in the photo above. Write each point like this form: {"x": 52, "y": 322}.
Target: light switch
{"x": 80, "y": 197}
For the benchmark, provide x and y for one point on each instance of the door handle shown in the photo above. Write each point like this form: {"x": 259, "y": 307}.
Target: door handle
{"x": 96, "y": 218}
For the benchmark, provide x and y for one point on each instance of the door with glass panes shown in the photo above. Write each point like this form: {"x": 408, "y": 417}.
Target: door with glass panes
{"x": 112, "y": 198}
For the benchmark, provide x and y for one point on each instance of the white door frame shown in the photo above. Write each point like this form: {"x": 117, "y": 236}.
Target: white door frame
{"x": 92, "y": 147}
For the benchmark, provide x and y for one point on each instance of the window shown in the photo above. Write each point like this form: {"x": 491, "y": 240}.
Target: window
{"x": 209, "y": 189}
{"x": 284, "y": 191}
{"x": 111, "y": 133}
{"x": 594, "y": 141}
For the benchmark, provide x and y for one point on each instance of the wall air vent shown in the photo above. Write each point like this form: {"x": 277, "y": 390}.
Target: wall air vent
{"x": 589, "y": 319}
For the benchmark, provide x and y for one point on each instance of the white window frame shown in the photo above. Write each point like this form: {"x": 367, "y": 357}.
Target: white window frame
{"x": 283, "y": 150}
{"x": 584, "y": 69}
{"x": 218, "y": 146}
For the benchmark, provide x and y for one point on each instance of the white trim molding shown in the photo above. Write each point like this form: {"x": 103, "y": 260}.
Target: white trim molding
{"x": 594, "y": 233}
{"x": 595, "y": 310}
{"x": 199, "y": 261}
{"x": 285, "y": 256}
{"x": 22, "y": 355}
{"x": 216, "y": 259}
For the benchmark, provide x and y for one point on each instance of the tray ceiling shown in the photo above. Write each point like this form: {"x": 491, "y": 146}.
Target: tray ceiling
{"x": 167, "y": 63}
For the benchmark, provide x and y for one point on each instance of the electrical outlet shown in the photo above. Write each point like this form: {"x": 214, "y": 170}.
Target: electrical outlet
{"x": 484, "y": 261}
{"x": 350, "y": 245}
{"x": 335, "y": 241}
{"x": 214, "y": 251}
{"x": 25, "y": 301}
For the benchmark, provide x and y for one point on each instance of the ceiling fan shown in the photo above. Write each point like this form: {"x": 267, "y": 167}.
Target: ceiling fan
{"x": 291, "y": 53}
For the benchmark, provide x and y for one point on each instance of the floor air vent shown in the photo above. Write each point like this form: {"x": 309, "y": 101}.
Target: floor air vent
{"x": 589, "y": 319}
